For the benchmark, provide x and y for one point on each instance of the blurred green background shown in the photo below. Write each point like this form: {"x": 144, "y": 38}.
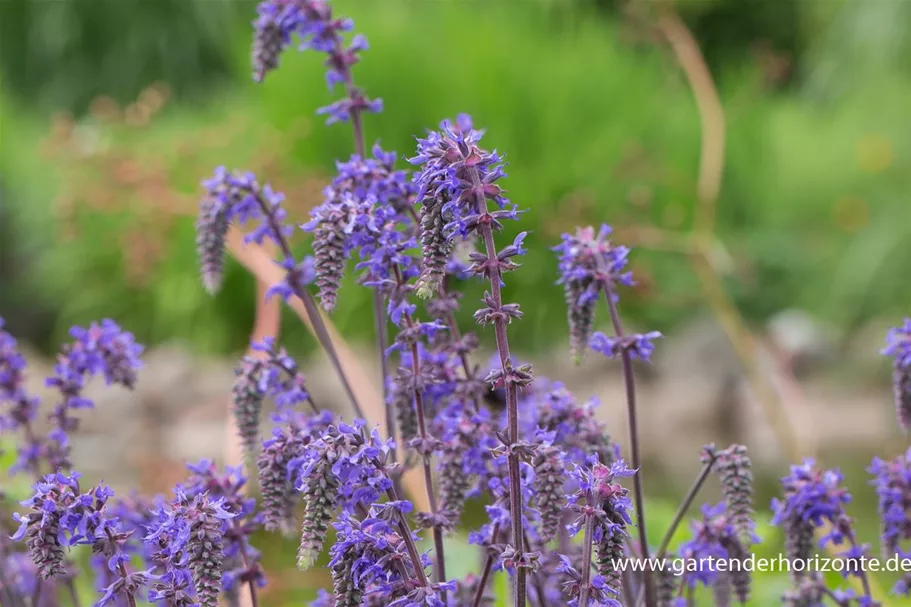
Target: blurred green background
{"x": 99, "y": 171}
{"x": 114, "y": 110}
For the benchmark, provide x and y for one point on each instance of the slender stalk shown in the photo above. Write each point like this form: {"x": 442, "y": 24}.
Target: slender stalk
{"x": 456, "y": 335}
{"x": 684, "y": 507}
{"x": 297, "y": 287}
{"x": 488, "y": 565}
{"x": 512, "y": 400}
{"x": 630, "y": 383}
{"x": 585, "y": 584}
{"x": 535, "y": 578}
{"x": 379, "y": 318}
{"x": 439, "y": 562}
{"x": 628, "y": 590}
{"x": 410, "y": 546}
{"x": 835, "y": 599}
{"x": 122, "y": 570}
{"x": 254, "y": 599}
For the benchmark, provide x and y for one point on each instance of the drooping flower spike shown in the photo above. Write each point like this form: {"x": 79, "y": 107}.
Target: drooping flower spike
{"x": 898, "y": 347}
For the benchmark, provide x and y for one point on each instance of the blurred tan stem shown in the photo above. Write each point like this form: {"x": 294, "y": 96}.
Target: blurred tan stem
{"x": 711, "y": 167}
{"x": 260, "y": 263}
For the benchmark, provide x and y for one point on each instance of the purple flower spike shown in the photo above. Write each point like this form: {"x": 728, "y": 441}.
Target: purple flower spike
{"x": 102, "y": 349}
{"x": 235, "y": 197}
{"x": 811, "y": 498}
{"x": 893, "y": 485}
{"x": 46, "y": 523}
{"x": 898, "y": 346}
{"x": 312, "y": 22}
{"x": 716, "y": 538}
{"x": 275, "y": 23}
{"x": 22, "y": 406}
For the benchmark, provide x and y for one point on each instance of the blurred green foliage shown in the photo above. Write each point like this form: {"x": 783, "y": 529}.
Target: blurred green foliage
{"x": 597, "y": 124}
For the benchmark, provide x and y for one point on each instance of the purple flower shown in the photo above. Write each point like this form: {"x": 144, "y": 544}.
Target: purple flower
{"x": 639, "y": 345}
{"x": 193, "y": 540}
{"x": 598, "y": 591}
{"x": 587, "y": 261}
{"x": 275, "y": 23}
{"x": 575, "y": 426}
{"x": 102, "y": 349}
{"x": 602, "y": 503}
{"x": 241, "y": 560}
{"x": 22, "y": 406}
{"x": 46, "y": 526}
{"x": 898, "y": 346}
{"x": 316, "y": 28}
{"x": 734, "y": 470}
{"x": 459, "y": 175}
{"x": 238, "y": 197}
{"x": 716, "y": 539}
{"x": 811, "y": 498}
{"x": 893, "y": 485}
{"x": 341, "y": 467}
{"x": 548, "y": 490}
{"x": 811, "y": 495}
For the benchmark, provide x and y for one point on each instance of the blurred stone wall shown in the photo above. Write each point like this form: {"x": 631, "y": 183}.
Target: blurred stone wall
{"x": 695, "y": 392}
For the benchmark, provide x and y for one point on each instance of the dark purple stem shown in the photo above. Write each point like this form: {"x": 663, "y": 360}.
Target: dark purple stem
{"x": 254, "y": 599}
{"x": 379, "y": 317}
{"x": 512, "y": 401}
{"x": 122, "y": 570}
{"x": 439, "y": 564}
{"x": 488, "y": 565}
{"x": 630, "y": 382}
{"x": 297, "y": 286}
{"x": 685, "y": 506}
{"x": 587, "y": 540}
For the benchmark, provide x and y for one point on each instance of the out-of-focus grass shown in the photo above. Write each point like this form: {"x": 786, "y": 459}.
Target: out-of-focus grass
{"x": 594, "y": 128}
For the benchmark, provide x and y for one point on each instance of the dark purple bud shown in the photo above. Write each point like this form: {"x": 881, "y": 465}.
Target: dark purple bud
{"x": 320, "y": 489}
{"x": 278, "y": 495}
{"x": 436, "y": 248}
{"x": 205, "y": 549}
{"x": 550, "y": 477}
{"x": 666, "y": 584}
{"x": 898, "y": 346}
{"x": 734, "y": 470}
{"x": 272, "y": 30}
{"x": 248, "y": 402}
{"x": 211, "y": 229}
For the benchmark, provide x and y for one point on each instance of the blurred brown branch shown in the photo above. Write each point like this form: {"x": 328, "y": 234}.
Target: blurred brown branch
{"x": 711, "y": 167}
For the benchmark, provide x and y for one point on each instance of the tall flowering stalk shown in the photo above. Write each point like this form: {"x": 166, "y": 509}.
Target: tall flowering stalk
{"x": 238, "y": 197}
{"x": 813, "y": 497}
{"x": 590, "y": 264}
{"x": 602, "y": 508}
{"x": 459, "y": 175}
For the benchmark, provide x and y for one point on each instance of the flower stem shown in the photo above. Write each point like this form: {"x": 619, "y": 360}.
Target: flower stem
{"x": 587, "y": 539}
{"x": 685, "y": 506}
{"x": 379, "y": 318}
{"x": 630, "y": 383}
{"x": 488, "y": 565}
{"x": 254, "y": 599}
{"x": 512, "y": 400}
{"x": 297, "y": 286}
{"x": 439, "y": 563}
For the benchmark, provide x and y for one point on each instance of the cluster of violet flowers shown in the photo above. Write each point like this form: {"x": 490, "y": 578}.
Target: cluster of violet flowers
{"x": 564, "y": 507}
